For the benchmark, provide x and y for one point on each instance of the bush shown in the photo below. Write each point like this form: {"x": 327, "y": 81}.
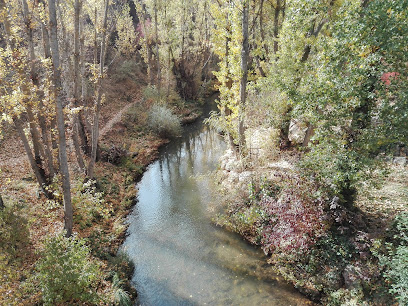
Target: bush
{"x": 151, "y": 92}
{"x": 346, "y": 297}
{"x": 88, "y": 203}
{"x": 163, "y": 122}
{"x": 126, "y": 70}
{"x": 13, "y": 232}
{"x": 66, "y": 272}
{"x": 296, "y": 218}
{"x": 114, "y": 155}
{"x": 122, "y": 269}
{"x": 135, "y": 118}
{"x": 14, "y": 240}
{"x": 396, "y": 263}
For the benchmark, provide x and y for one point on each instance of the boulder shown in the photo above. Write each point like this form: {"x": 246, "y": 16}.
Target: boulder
{"x": 400, "y": 161}
{"x": 245, "y": 176}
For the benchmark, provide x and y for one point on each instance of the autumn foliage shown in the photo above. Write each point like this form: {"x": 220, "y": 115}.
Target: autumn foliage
{"x": 296, "y": 218}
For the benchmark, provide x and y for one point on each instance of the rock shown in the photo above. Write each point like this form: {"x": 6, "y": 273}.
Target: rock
{"x": 351, "y": 275}
{"x": 190, "y": 118}
{"x": 232, "y": 165}
{"x": 225, "y": 159}
{"x": 400, "y": 161}
{"x": 297, "y": 131}
{"x": 223, "y": 162}
{"x": 282, "y": 164}
{"x": 245, "y": 176}
{"x": 233, "y": 177}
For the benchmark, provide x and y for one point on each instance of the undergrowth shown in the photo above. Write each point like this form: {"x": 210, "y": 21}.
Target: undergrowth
{"x": 66, "y": 272}
{"x": 321, "y": 246}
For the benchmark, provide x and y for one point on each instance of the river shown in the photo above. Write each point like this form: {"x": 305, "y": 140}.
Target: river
{"x": 181, "y": 258}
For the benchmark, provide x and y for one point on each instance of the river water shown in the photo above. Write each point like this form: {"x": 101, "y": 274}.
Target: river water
{"x": 181, "y": 258}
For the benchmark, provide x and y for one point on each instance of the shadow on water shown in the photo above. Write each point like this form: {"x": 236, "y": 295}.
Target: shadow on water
{"x": 181, "y": 258}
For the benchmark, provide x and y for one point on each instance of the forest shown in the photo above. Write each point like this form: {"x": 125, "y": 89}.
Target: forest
{"x": 311, "y": 101}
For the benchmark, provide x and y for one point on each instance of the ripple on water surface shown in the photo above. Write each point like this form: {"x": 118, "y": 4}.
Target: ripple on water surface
{"x": 180, "y": 257}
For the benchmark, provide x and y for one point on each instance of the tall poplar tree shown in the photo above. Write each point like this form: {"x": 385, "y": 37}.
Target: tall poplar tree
{"x": 66, "y": 185}
{"x": 244, "y": 77}
{"x": 98, "y": 97}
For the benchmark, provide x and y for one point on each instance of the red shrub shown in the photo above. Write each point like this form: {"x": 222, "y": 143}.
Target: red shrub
{"x": 297, "y": 219}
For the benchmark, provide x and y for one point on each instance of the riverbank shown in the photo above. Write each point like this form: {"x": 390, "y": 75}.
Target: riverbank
{"x": 331, "y": 253}
{"x": 30, "y": 221}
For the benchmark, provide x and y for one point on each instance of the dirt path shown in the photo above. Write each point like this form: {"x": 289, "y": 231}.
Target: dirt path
{"x": 114, "y": 120}
{"x": 13, "y": 153}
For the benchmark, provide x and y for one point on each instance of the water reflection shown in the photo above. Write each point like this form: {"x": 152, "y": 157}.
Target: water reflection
{"x": 180, "y": 257}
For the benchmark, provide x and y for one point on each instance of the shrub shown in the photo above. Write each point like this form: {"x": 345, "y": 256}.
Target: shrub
{"x": 396, "y": 262}
{"x": 346, "y": 297}
{"x": 122, "y": 264}
{"x": 13, "y": 232}
{"x": 135, "y": 118}
{"x": 114, "y": 155}
{"x": 151, "y": 92}
{"x": 126, "y": 70}
{"x": 122, "y": 268}
{"x": 296, "y": 218}
{"x": 246, "y": 221}
{"x": 121, "y": 297}
{"x": 166, "y": 94}
{"x": 14, "y": 237}
{"x": 163, "y": 122}
{"x": 66, "y": 272}
{"x": 88, "y": 203}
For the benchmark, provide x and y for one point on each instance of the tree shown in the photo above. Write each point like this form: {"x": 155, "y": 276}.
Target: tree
{"x": 227, "y": 41}
{"x": 179, "y": 43}
{"x": 66, "y": 185}
{"x": 156, "y": 33}
{"x": 17, "y": 100}
{"x": 76, "y": 89}
{"x": 244, "y": 71}
{"x": 98, "y": 98}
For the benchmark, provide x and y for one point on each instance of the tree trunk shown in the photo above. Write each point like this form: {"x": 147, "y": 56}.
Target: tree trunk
{"x": 261, "y": 28}
{"x": 1, "y": 203}
{"x": 35, "y": 136}
{"x": 38, "y": 149}
{"x": 276, "y": 26}
{"x": 64, "y": 49}
{"x": 6, "y": 23}
{"x": 284, "y": 133}
{"x": 46, "y": 147}
{"x": 85, "y": 126}
{"x": 46, "y": 40}
{"x": 244, "y": 78}
{"x": 309, "y": 133}
{"x": 75, "y": 121}
{"x": 95, "y": 129}
{"x": 141, "y": 10}
{"x": 157, "y": 50}
{"x": 95, "y": 38}
{"x": 47, "y": 142}
{"x": 48, "y": 139}
{"x": 66, "y": 186}
{"x": 37, "y": 171}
